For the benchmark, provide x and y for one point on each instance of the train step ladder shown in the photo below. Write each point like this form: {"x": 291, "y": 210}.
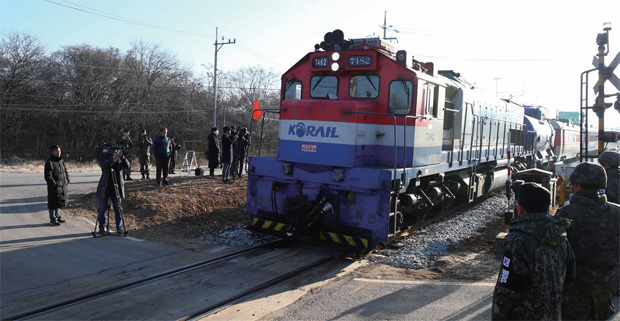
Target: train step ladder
{"x": 188, "y": 162}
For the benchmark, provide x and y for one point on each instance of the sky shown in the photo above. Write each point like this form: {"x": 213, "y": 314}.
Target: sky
{"x": 530, "y": 51}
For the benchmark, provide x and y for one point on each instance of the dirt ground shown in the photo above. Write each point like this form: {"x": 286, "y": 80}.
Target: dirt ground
{"x": 192, "y": 206}
{"x": 177, "y": 214}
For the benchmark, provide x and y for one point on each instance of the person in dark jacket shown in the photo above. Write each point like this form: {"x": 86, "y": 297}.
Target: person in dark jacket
{"x": 111, "y": 187}
{"x": 239, "y": 150}
{"x": 125, "y": 142}
{"x": 538, "y": 260}
{"x": 173, "y": 156}
{"x": 57, "y": 179}
{"x": 227, "y": 152}
{"x": 213, "y": 152}
{"x": 162, "y": 149}
{"x": 594, "y": 236}
{"x": 611, "y": 163}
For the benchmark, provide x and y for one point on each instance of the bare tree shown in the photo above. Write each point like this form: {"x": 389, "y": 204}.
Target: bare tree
{"x": 82, "y": 95}
{"x": 22, "y": 57}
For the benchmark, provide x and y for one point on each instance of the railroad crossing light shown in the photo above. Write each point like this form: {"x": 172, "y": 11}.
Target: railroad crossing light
{"x": 617, "y": 104}
{"x": 601, "y": 39}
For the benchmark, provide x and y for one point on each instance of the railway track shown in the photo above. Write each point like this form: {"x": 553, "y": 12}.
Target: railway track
{"x": 187, "y": 292}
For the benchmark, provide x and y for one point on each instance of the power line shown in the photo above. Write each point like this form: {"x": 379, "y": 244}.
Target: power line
{"x": 131, "y": 85}
{"x": 79, "y": 111}
{"x": 122, "y": 19}
{"x": 81, "y": 8}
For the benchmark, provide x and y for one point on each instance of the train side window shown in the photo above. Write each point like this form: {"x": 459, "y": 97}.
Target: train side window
{"x": 400, "y": 96}
{"x": 324, "y": 86}
{"x": 292, "y": 90}
{"x": 430, "y": 99}
{"x": 364, "y": 86}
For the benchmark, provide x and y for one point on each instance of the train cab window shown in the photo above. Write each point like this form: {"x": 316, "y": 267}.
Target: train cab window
{"x": 324, "y": 87}
{"x": 400, "y": 96}
{"x": 292, "y": 90}
{"x": 364, "y": 86}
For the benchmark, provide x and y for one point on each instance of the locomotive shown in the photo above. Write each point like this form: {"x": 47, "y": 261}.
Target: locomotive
{"x": 372, "y": 143}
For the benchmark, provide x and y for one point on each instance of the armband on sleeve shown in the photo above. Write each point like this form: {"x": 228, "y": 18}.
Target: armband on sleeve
{"x": 511, "y": 275}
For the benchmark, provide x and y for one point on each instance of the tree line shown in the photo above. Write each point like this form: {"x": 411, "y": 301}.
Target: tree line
{"x": 81, "y": 95}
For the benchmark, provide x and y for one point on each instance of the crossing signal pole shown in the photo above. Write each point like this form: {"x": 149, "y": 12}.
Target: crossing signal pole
{"x": 604, "y": 73}
{"x": 218, "y": 46}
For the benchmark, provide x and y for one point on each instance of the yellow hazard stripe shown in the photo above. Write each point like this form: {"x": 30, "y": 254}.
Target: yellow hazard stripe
{"x": 344, "y": 239}
{"x": 270, "y": 225}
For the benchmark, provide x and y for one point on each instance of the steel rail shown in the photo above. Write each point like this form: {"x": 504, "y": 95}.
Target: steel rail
{"x": 96, "y": 294}
{"x": 213, "y": 308}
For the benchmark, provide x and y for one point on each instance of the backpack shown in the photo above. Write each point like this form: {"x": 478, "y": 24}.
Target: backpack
{"x": 199, "y": 171}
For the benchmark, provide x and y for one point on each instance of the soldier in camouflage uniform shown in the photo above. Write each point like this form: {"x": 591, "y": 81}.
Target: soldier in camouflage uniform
{"x": 611, "y": 161}
{"x": 594, "y": 238}
{"x": 144, "y": 148}
{"x": 537, "y": 261}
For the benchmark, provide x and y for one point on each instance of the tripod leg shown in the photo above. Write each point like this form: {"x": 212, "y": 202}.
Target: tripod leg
{"x": 120, "y": 222}
{"x": 94, "y": 232}
{"x": 120, "y": 212}
{"x": 107, "y": 216}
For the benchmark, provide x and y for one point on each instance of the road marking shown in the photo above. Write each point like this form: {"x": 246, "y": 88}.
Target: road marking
{"x": 436, "y": 282}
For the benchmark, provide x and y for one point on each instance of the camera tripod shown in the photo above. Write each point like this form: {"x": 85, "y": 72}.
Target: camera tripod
{"x": 117, "y": 194}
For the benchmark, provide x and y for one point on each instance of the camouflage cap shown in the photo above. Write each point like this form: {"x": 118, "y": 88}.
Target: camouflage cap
{"x": 533, "y": 194}
{"x": 589, "y": 173}
{"x": 611, "y": 159}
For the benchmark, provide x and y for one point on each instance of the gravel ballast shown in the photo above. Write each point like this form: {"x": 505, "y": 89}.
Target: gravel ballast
{"x": 416, "y": 251}
{"x": 420, "y": 248}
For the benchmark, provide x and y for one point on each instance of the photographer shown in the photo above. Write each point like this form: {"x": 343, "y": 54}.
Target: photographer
{"x": 125, "y": 142}
{"x": 144, "y": 152}
{"x": 111, "y": 185}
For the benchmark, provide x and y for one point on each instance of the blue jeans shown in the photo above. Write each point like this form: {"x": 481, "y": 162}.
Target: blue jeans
{"x": 54, "y": 214}
{"x": 225, "y": 171}
{"x": 103, "y": 206}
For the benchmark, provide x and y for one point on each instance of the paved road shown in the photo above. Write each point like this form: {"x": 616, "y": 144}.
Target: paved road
{"x": 38, "y": 258}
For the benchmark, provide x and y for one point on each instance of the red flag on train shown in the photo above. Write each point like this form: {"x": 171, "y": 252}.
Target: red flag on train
{"x": 256, "y": 112}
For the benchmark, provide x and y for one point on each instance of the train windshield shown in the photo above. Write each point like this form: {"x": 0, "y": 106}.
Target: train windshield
{"x": 292, "y": 90}
{"x": 364, "y": 86}
{"x": 401, "y": 92}
{"x": 323, "y": 86}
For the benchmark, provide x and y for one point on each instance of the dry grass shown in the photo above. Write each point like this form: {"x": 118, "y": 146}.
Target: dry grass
{"x": 20, "y": 165}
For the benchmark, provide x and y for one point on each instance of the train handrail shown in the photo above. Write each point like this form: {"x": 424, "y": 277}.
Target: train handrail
{"x": 260, "y": 141}
{"x": 405, "y": 141}
{"x": 395, "y": 142}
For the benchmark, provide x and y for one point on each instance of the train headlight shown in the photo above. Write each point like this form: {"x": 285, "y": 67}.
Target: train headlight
{"x": 335, "y": 66}
{"x": 335, "y": 56}
{"x": 287, "y": 169}
{"x": 338, "y": 175}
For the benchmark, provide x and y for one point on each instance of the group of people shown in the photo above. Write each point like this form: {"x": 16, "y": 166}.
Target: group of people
{"x": 563, "y": 266}
{"x": 163, "y": 147}
{"x": 234, "y": 145}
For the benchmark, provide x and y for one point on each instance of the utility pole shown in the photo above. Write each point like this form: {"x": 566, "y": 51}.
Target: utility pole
{"x": 385, "y": 28}
{"x": 218, "y": 46}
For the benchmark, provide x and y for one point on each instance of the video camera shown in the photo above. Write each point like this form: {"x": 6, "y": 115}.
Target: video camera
{"x": 104, "y": 150}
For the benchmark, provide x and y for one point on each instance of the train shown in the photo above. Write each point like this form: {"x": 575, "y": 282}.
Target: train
{"x": 372, "y": 142}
